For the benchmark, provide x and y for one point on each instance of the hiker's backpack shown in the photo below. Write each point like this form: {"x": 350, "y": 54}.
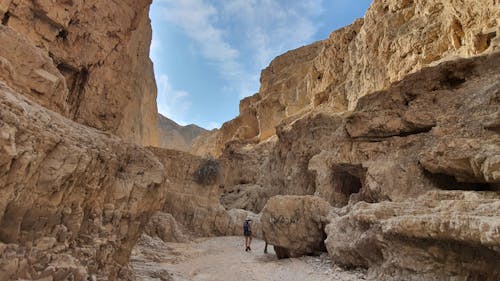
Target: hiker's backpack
{"x": 246, "y": 226}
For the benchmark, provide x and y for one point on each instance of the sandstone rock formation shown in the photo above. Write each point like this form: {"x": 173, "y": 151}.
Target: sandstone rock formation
{"x": 396, "y": 145}
{"x": 101, "y": 48}
{"x": 174, "y": 136}
{"x": 451, "y": 233}
{"x": 380, "y": 131}
{"x": 295, "y": 224}
{"x": 165, "y": 227}
{"x": 196, "y": 206}
{"x": 394, "y": 39}
{"x": 74, "y": 200}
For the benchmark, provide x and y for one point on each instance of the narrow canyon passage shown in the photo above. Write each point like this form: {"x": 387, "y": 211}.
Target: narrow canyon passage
{"x": 223, "y": 258}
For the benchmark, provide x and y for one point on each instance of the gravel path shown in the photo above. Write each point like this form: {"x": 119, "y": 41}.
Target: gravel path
{"x": 224, "y": 258}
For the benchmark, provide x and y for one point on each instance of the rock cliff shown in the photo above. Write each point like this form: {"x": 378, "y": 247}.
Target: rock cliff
{"x": 394, "y": 39}
{"x": 400, "y": 173}
{"x": 98, "y": 73}
{"x": 74, "y": 199}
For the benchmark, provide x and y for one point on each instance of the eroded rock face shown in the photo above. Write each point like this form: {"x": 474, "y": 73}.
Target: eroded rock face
{"x": 440, "y": 235}
{"x": 385, "y": 148}
{"x": 101, "y": 48}
{"x": 394, "y": 39}
{"x": 78, "y": 197}
{"x": 395, "y": 146}
{"x": 165, "y": 227}
{"x": 31, "y": 71}
{"x": 295, "y": 224}
{"x": 194, "y": 205}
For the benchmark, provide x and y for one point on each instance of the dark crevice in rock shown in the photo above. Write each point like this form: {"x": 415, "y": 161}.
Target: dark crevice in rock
{"x": 419, "y": 130}
{"x": 347, "y": 179}
{"x": 281, "y": 253}
{"x": 36, "y": 93}
{"x": 62, "y": 35}
{"x": 483, "y": 41}
{"x": 5, "y": 19}
{"x": 76, "y": 80}
{"x": 452, "y": 81}
{"x": 447, "y": 182}
{"x": 379, "y": 138}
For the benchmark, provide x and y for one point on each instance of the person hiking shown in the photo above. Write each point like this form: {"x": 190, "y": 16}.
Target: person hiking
{"x": 247, "y": 232}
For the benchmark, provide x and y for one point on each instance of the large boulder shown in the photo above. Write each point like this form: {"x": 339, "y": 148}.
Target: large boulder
{"x": 295, "y": 224}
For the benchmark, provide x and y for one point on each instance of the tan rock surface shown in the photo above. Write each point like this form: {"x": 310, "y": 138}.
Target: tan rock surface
{"x": 395, "y": 146}
{"x": 440, "y": 235}
{"x": 165, "y": 227}
{"x": 70, "y": 191}
{"x": 31, "y": 71}
{"x": 102, "y": 49}
{"x": 294, "y": 225}
{"x": 336, "y": 156}
{"x": 195, "y": 206}
{"x": 395, "y": 38}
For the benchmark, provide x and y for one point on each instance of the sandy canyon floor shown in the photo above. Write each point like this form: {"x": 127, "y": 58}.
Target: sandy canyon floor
{"x": 224, "y": 258}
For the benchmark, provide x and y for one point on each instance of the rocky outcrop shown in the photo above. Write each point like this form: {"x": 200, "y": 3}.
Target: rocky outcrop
{"x": 394, "y": 39}
{"x": 295, "y": 224}
{"x": 440, "y": 235}
{"x": 249, "y": 197}
{"x": 396, "y": 145}
{"x": 196, "y": 206}
{"x": 174, "y": 136}
{"x": 165, "y": 227}
{"x": 101, "y": 48}
{"x": 74, "y": 199}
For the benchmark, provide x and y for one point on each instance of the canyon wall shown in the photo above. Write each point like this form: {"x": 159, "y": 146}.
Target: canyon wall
{"x": 393, "y": 121}
{"x": 409, "y": 184}
{"x": 390, "y": 150}
{"x": 394, "y": 39}
{"x": 74, "y": 200}
{"x": 98, "y": 49}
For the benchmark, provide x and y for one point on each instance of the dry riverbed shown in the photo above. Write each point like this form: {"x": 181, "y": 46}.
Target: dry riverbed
{"x": 224, "y": 258}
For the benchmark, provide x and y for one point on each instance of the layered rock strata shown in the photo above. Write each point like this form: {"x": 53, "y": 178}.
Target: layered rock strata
{"x": 440, "y": 235}
{"x": 74, "y": 200}
{"x": 394, "y": 39}
{"x": 373, "y": 163}
{"x": 99, "y": 48}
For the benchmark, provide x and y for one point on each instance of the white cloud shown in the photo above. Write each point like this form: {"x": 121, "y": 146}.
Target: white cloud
{"x": 239, "y": 37}
{"x": 196, "y": 18}
{"x": 268, "y": 28}
{"x": 212, "y": 125}
{"x": 274, "y": 26}
{"x": 173, "y": 104}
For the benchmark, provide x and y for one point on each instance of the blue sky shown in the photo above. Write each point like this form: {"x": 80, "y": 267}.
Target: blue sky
{"x": 208, "y": 54}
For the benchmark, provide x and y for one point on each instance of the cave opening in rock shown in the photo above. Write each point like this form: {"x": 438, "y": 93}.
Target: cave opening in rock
{"x": 5, "y": 19}
{"x": 347, "y": 179}
{"x": 447, "y": 182}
